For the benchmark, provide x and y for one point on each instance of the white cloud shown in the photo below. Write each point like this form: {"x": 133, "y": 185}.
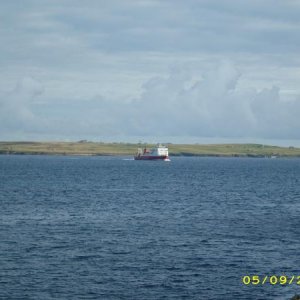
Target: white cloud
{"x": 175, "y": 105}
{"x": 215, "y": 107}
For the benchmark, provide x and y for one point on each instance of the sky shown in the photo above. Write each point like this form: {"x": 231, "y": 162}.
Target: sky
{"x": 150, "y": 70}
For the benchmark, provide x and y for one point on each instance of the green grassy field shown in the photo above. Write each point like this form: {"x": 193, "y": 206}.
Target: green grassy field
{"x": 92, "y": 148}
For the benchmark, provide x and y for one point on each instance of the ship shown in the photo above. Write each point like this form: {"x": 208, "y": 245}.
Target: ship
{"x": 160, "y": 152}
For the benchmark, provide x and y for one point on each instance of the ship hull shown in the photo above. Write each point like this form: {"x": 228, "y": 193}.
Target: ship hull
{"x": 149, "y": 157}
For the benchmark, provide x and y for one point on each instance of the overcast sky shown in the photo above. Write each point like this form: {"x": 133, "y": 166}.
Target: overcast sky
{"x": 180, "y": 71}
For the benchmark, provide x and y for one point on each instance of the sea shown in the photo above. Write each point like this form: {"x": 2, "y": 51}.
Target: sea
{"x": 95, "y": 227}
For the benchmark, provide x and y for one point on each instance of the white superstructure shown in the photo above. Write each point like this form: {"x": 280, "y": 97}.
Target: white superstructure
{"x": 159, "y": 152}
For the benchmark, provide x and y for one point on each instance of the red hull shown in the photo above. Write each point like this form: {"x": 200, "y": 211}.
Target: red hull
{"x": 144, "y": 157}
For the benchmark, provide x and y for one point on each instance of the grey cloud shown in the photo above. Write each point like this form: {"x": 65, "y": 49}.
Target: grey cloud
{"x": 15, "y": 106}
{"x": 220, "y": 26}
{"x": 79, "y": 49}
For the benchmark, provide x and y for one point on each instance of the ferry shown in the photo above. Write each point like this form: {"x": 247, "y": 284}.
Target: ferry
{"x": 159, "y": 152}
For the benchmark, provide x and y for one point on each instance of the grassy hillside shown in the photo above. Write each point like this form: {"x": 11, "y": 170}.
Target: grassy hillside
{"x": 91, "y": 148}
{"x": 67, "y": 148}
{"x": 235, "y": 150}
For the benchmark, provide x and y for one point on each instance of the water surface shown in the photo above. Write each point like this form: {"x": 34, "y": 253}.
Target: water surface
{"x": 114, "y": 228}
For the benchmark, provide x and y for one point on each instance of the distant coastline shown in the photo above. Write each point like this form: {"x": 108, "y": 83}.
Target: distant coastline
{"x": 118, "y": 149}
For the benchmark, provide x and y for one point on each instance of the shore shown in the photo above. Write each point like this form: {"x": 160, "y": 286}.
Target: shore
{"x": 93, "y": 148}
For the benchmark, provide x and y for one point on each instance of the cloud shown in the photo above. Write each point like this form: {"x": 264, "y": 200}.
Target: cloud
{"x": 214, "y": 106}
{"x": 211, "y": 105}
{"x": 121, "y": 50}
{"x": 15, "y": 106}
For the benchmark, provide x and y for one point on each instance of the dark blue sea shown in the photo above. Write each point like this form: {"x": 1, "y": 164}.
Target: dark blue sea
{"x": 113, "y": 228}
